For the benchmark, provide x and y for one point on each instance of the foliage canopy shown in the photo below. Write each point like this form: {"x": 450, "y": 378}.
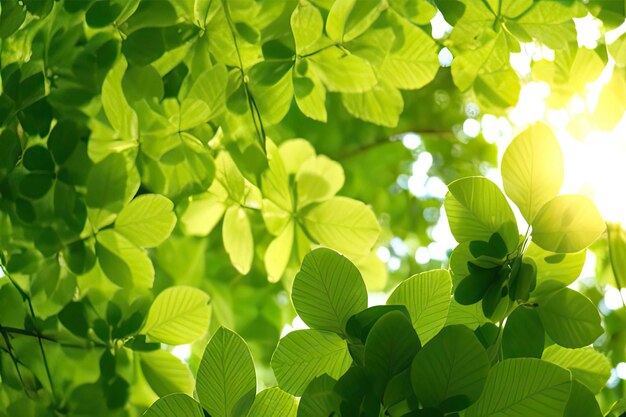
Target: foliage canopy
{"x": 196, "y": 174}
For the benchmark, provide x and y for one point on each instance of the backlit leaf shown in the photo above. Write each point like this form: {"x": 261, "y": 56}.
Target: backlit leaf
{"x": 427, "y": 297}
{"x": 328, "y": 290}
{"x": 303, "y": 355}
{"x": 226, "y": 382}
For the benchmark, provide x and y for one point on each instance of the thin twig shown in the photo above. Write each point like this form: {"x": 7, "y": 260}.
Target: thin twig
{"x": 350, "y": 153}
{"x": 260, "y": 130}
{"x": 16, "y": 362}
{"x": 24, "y": 332}
{"x": 26, "y": 297}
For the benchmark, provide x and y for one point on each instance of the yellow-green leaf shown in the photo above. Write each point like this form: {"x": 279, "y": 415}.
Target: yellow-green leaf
{"x": 278, "y": 253}
{"x": 319, "y": 178}
{"x": 533, "y": 169}
{"x": 567, "y": 223}
{"x": 147, "y": 220}
{"x": 587, "y": 365}
{"x": 307, "y": 25}
{"x": 476, "y": 209}
{"x": 165, "y": 373}
{"x": 122, "y": 261}
{"x": 427, "y": 296}
{"x": 237, "y": 237}
{"x": 226, "y": 382}
{"x": 274, "y": 402}
{"x": 341, "y": 223}
{"x": 303, "y": 355}
{"x": 178, "y": 315}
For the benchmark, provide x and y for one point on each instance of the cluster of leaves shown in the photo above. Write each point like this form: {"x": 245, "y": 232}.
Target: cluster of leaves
{"x": 418, "y": 355}
{"x": 136, "y": 165}
{"x": 493, "y": 263}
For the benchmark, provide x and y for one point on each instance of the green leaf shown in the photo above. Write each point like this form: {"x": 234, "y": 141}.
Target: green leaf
{"x": 582, "y": 402}
{"x": 176, "y": 165}
{"x": 319, "y": 398}
{"x": 201, "y": 215}
{"x": 328, "y": 290}
{"x": 551, "y": 23}
{"x": 307, "y": 26}
{"x": 381, "y": 105}
{"x": 226, "y": 382}
{"x": 523, "y": 386}
{"x": 413, "y": 61}
{"x": 480, "y": 62}
{"x": 555, "y": 270}
{"x": 587, "y": 365}
{"x": 533, "y": 169}
{"x": 570, "y": 319}
{"x": 342, "y": 72}
{"x": 273, "y": 402}
{"x": 427, "y": 297}
{"x": 147, "y": 221}
{"x": 348, "y": 19}
{"x": 178, "y": 315}
{"x": 122, "y": 261}
{"x": 73, "y": 316}
{"x": 271, "y": 83}
{"x": 344, "y": 224}
{"x": 567, "y": 223}
{"x": 278, "y": 253}
{"x": 471, "y": 316}
{"x": 359, "y": 325}
{"x": 390, "y": 348}
{"x": 419, "y": 12}
{"x": 275, "y": 180}
{"x": 476, "y": 209}
{"x": 109, "y": 187}
{"x": 450, "y": 370}
{"x": 523, "y": 335}
{"x": 11, "y": 17}
{"x": 165, "y": 373}
{"x": 303, "y": 355}
{"x": 617, "y": 253}
{"x": 175, "y": 405}
{"x": 237, "y": 236}
{"x": 310, "y": 96}
{"x": 121, "y": 116}
{"x": 208, "y": 93}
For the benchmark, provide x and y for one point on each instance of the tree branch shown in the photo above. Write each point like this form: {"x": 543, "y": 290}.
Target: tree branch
{"x": 353, "y": 152}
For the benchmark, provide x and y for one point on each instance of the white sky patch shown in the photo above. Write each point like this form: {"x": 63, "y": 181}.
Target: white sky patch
{"x": 296, "y": 324}
{"x": 613, "y": 299}
{"x": 440, "y": 27}
{"x": 182, "y": 352}
{"x": 422, "y": 255}
{"x": 471, "y": 127}
{"x": 383, "y": 254}
{"x": 445, "y": 57}
{"x": 621, "y": 370}
{"x": 393, "y": 264}
{"x": 377, "y": 298}
{"x": 588, "y": 30}
{"x": 411, "y": 141}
